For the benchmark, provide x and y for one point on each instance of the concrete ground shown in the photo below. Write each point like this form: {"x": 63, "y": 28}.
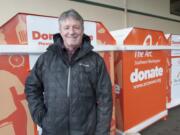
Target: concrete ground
{"x": 171, "y": 126}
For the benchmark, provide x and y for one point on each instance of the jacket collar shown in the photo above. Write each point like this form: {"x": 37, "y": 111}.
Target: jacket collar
{"x": 58, "y": 45}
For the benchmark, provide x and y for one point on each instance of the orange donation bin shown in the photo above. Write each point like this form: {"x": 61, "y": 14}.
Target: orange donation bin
{"x": 141, "y": 79}
{"x": 174, "y": 40}
{"x": 15, "y": 118}
{"x": 35, "y": 32}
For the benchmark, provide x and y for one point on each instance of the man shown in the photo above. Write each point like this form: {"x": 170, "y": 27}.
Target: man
{"x": 69, "y": 89}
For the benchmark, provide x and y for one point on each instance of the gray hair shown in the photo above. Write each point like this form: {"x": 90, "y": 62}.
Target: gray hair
{"x": 71, "y": 14}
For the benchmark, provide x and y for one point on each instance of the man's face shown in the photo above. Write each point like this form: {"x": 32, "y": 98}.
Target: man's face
{"x": 72, "y": 33}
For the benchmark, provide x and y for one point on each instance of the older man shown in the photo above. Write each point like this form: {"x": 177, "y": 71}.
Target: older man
{"x": 69, "y": 89}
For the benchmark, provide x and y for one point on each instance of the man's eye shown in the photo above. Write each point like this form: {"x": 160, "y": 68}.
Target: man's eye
{"x": 77, "y": 28}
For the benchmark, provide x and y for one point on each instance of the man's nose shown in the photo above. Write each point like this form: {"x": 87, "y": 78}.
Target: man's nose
{"x": 71, "y": 31}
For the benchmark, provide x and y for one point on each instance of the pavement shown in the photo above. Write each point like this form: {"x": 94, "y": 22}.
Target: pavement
{"x": 170, "y": 126}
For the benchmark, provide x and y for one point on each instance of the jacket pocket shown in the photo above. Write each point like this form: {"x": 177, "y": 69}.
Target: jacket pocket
{"x": 87, "y": 79}
{"x": 84, "y": 105}
{"x": 48, "y": 123}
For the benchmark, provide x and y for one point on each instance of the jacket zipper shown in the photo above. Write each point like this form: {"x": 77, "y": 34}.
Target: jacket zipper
{"x": 68, "y": 83}
{"x": 68, "y": 96}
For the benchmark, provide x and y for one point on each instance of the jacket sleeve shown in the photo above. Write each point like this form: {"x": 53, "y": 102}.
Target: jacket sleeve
{"x": 34, "y": 93}
{"x": 104, "y": 100}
